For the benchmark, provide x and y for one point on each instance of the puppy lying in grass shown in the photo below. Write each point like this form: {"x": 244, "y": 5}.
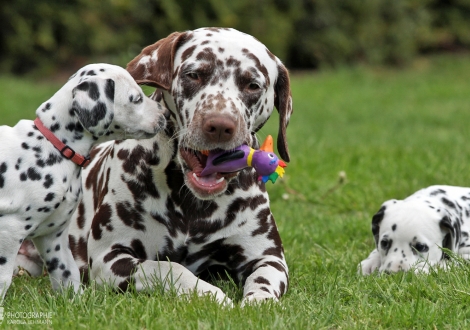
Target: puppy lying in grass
{"x": 410, "y": 233}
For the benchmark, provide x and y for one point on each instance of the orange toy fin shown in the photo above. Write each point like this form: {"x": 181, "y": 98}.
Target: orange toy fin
{"x": 267, "y": 144}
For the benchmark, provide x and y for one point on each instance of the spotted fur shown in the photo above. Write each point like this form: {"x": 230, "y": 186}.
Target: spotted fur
{"x": 145, "y": 219}
{"x": 39, "y": 188}
{"x": 410, "y": 234}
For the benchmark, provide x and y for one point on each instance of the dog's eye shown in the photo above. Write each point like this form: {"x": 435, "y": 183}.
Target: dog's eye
{"x": 193, "y": 75}
{"x": 421, "y": 248}
{"x": 253, "y": 87}
{"x": 385, "y": 244}
{"x": 136, "y": 99}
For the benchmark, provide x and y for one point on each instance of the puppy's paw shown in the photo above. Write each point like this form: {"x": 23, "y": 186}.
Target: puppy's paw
{"x": 369, "y": 265}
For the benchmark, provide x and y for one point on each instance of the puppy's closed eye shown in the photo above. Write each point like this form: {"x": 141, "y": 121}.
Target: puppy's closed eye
{"x": 385, "y": 243}
{"x": 420, "y": 248}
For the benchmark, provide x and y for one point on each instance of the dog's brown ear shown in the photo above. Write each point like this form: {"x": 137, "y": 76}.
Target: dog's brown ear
{"x": 154, "y": 65}
{"x": 283, "y": 103}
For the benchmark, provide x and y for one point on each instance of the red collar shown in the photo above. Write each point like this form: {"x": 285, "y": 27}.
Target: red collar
{"x": 64, "y": 149}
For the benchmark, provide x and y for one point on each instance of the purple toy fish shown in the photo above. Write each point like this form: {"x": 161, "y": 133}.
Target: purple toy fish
{"x": 264, "y": 161}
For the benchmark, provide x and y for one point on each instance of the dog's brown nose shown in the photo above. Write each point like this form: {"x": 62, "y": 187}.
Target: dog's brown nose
{"x": 218, "y": 128}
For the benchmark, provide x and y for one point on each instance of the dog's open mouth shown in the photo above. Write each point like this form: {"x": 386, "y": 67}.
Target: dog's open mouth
{"x": 208, "y": 185}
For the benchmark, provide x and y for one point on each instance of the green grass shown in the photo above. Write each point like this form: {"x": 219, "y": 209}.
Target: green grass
{"x": 392, "y": 132}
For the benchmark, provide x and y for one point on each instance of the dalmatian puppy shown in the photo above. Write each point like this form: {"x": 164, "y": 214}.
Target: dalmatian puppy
{"x": 410, "y": 234}
{"x": 40, "y": 163}
{"x": 148, "y": 216}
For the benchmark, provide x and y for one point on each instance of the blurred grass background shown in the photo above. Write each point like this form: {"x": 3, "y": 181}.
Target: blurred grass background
{"x": 44, "y": 36}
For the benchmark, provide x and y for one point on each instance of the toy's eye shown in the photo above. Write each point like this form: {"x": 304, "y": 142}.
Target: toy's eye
{"x": 421, "y": 248}
{"x": 271, "y": 155}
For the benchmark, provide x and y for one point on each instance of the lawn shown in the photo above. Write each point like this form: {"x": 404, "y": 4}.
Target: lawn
{"x": 390, "y": 133}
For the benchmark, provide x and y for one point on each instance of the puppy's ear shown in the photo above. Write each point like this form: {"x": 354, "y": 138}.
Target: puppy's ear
{"x": 376, "y": 220}
{"x": 154, "y": 65}
{"x": 283, "y": 104}
{"x": 93, "y": 104}
{"x": 451, "y": 229}
{"x": 378, "y": 217}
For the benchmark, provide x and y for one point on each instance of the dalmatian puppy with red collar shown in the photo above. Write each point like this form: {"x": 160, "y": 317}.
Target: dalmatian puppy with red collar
{"x": 40, "y": 163}
{"x": 148, "y": 216}
{"x": 410, "y": 234}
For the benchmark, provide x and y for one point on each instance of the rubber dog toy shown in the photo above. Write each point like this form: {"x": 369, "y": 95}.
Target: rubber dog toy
{"x": 264, "y": 161}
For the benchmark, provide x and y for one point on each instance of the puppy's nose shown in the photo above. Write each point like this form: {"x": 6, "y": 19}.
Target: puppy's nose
{"x": 218, "y": 128}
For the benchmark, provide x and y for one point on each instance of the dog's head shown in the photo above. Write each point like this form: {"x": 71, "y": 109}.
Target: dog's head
{"x": 221, "y": 86}
{"x": 411, "y": 234}
{"x": 109, "y": 104}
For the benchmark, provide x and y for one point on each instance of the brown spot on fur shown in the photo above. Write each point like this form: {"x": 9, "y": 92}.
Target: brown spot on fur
{"x": 277, "y": 266}
{"x": 264, "y": 222}
{"x": 124, "y": 267}
{"x": 187, "y": 53}
{"x": 136, "y": 250}
{"x": 263, "y": 288}
{"x": 130, "y": 215}
{"x": 124, "y": 285}
{"x": 207, "y": 55}
{"x": 81, "y": 215}
{"x": 261, "y": 280}
{"x": 232, "y": 62}
{"x": 84, "y": 274}
{"x": 101, "y": 219}
{"x": 79, "y": 248}
{"x": 95, "y": 182}
{"x": 230, "y": 255}
{"x": 271, "y": 55}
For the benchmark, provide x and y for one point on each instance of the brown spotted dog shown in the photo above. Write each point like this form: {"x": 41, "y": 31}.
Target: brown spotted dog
{"x": 147, "y": 215}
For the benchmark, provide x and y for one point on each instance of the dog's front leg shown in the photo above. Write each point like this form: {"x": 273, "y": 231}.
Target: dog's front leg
{"x": 54, "y": 250}
{"x": 10, "y": 241}
{"x": 268, "y": 281}
{"x": 119, "y": 268}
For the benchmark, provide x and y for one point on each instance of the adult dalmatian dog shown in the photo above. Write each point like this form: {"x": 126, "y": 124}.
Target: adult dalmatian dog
{"x": 410, "y": 234}
{"x": 40, "y": 162}
{"x": 148, "y": 217}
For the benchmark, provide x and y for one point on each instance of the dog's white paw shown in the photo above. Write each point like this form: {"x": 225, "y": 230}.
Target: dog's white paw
{"x": 259, "y": 297}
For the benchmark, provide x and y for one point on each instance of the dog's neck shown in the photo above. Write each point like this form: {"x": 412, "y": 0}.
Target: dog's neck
{"x": 57, "y": 115}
